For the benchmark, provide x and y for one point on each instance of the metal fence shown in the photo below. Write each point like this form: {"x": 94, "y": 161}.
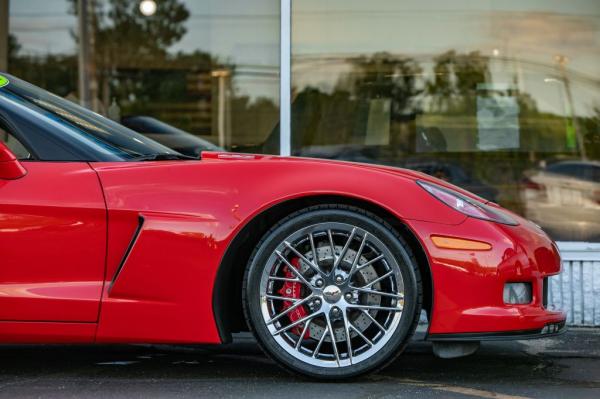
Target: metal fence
{"x": 577, "y": 289}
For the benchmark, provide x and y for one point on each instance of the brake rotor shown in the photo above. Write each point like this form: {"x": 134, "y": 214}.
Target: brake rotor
{"x": 365, "y": 276}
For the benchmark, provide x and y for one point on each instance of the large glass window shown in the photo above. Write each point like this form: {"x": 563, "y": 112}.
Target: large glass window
{"x": 501, "y": 98}
{"x": 42, "y": 48}
{"x": 209, "y": 68}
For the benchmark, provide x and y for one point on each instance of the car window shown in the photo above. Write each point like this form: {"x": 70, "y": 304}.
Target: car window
{"x": 13, "y": 144}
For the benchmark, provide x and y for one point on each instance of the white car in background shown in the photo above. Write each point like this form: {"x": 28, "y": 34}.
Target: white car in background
{"x": 564, "y": 199}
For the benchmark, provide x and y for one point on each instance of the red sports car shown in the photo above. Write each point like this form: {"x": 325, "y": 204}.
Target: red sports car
{"x": 107, "y": 236}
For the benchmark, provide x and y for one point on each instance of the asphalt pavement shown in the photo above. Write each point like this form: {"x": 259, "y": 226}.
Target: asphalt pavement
{"x": 564, "y": 367}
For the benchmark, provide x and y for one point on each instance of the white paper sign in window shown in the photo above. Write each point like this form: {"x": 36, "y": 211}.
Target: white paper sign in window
{"x": 497, "y": 117}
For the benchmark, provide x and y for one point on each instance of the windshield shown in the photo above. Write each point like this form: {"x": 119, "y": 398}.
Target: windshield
{"x": 116, "y": 138}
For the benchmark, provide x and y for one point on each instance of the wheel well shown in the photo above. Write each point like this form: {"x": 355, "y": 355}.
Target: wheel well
{"x": 227, "y": 293}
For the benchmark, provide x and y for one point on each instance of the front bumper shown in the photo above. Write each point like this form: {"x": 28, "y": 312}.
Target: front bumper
{"x": 467, "y": 301}
{"x": 550, "y": 330}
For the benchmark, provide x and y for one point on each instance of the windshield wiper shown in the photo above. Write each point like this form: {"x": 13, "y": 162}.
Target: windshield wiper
{"x": 161, "y": 157}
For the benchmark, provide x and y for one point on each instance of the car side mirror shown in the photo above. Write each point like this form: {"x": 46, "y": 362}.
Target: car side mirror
{"x": 10, "y": 167}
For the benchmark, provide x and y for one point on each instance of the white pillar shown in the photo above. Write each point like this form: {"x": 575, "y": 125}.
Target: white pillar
{"x": 285, "y": 72}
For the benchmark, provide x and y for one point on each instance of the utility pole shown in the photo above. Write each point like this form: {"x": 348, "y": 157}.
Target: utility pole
{"x": 223, "y": 127}
{"x": 4, "y": 35}
{"x": 562, "y": 63}
{"x": 84, "y": 56}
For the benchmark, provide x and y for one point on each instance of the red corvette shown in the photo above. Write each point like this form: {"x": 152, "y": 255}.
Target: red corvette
{"x": 107, "y": 236}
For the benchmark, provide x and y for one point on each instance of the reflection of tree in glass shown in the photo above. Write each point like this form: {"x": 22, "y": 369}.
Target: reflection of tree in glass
{"x": 320, "y": 118}
{"x": 124, "y": 36}
{"x": 129, "y": 47}
{"x": 13, "y": 46}
{"x": 394, "y": 78}
{"x": 134, "y": 66}
{"x": 384, "y": 75}
{"x": 56, "y": 72}
{"x": 455, "y": 79}
{"x": 591, "y": 128}
{"x": 441, "y": 93}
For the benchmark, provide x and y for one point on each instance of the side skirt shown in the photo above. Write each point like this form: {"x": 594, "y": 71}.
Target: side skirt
{"x": 43, "y": 332}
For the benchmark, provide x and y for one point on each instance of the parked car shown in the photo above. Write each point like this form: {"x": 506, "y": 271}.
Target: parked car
{"x": 107, "y": 236}
{"x": 168, "y": 135}
{"x": 564, "y": 198}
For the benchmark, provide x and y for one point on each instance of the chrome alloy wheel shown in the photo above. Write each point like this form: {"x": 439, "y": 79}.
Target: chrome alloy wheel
{"x": 331, "y": 294}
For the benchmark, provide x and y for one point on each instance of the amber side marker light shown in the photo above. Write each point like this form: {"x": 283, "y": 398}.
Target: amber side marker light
{"x": 460, "y": 243}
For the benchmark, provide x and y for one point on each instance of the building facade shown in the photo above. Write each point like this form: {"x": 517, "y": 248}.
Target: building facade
{"x": 501, "y": 98}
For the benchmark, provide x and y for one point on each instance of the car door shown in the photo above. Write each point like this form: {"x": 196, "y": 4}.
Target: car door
{"x": 52, "y": 240}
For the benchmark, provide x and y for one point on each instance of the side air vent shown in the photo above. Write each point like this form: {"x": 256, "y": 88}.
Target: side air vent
{"x": 134, "y": 238}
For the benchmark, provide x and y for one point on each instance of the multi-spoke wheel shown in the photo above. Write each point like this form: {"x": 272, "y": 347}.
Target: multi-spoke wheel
{"x": 332, "y": 292}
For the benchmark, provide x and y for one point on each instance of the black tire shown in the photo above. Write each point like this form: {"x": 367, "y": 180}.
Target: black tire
{"x": 370, "y": 223}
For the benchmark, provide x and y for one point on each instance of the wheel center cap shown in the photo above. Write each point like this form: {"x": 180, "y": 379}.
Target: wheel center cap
{"x": 332, "y": 293}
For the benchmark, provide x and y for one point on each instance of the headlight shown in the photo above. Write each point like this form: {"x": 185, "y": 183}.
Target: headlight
{"x": 466, "y": 205}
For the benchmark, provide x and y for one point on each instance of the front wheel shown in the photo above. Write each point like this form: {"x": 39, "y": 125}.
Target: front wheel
{"x": 332, "y": 292}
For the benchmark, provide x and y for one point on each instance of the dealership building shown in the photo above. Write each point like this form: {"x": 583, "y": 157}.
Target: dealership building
{"x": 501, "y": 98}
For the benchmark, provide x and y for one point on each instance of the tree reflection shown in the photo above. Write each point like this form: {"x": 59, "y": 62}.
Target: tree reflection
{"x": 384, "y": 75}
{"x": 124, "y": 37}
{"x": 134, "y": 65}
{"x": 433, "y": 119}
{"x": 455, "y": 78}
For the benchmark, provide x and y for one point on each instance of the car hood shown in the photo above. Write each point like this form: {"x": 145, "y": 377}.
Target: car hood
{"x": 401, "y": 172}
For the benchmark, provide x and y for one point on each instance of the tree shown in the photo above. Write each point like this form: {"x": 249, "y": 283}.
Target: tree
{"x": 124, "y": 37}
{"x": 13, "y": 46}
{"x": 57, "y": 73}
{"x": 383, "y": 75}
{"x": 128, "y": 47}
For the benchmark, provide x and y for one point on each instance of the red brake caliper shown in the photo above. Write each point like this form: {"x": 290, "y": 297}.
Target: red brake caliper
{"x": 293, "y": 290}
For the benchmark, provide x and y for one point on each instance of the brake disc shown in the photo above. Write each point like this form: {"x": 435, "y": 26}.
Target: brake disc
{"x": 364, "y": 276}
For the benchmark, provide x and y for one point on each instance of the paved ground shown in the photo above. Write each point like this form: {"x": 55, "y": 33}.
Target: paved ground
{"x": 565, "y": 367}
